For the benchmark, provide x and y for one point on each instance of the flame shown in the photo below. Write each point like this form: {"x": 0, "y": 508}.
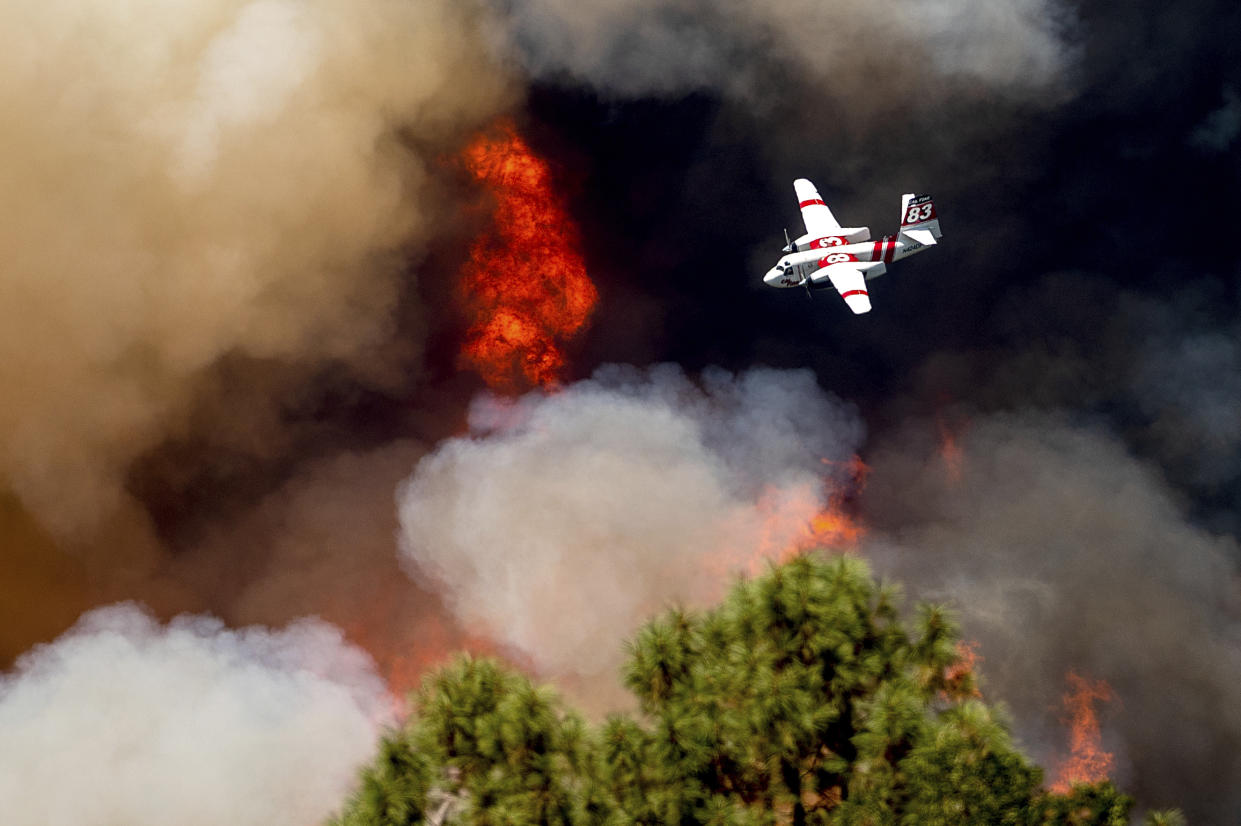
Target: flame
{"x": 1088, "y": 762}
{"x": 949, "y": 452}
{"x": 834, "y": 526}
{"x": 403, "y": 667}
{"x": 525, "y": 284}
{"x": 959, "y": 676}
{"x": 406, "y": 631}
{"x": 403, "y": 662}
{"x": 794, "y": 521}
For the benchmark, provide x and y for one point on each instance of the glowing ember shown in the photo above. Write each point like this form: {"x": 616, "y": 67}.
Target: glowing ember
{"x": 959, "y": 677}
{"x": 524, "y": 284}
{"x": 1088, "y": 762}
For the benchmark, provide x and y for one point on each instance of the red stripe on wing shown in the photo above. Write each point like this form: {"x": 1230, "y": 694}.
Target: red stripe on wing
{"x": 812, "y": 202}
{"x": 853, "y": 292}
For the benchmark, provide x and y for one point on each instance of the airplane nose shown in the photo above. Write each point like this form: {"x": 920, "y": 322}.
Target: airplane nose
{"x": 772, "y": 276}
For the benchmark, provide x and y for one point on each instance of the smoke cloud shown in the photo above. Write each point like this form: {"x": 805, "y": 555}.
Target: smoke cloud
{"x": 843, "y": 49}
{"x": 1062, "y": 551}
{"x": 324, "y": 544}
{"x": 123, "y": 720}
{"x": 192, "y": 180}
{"x": 561, "y": 522}
{"x": 1220, "y": 128}
{"x": 1187, "y": 384}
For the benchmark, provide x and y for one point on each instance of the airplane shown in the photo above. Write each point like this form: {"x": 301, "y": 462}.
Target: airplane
{"x": 830, "y": 255}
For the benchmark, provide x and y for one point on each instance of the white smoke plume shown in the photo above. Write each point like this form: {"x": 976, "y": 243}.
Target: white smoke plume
{"x": 1062, "y": 551}
{"x": 843, "y": 49}
{"x": 124, "y": 720}
{"x": 187, "y": 180}
{"x": 563, "y": 521}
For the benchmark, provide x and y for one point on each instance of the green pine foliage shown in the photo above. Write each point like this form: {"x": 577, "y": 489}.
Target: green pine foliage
{"x": 393, "y": 788}
{"x": 802, "y": 699}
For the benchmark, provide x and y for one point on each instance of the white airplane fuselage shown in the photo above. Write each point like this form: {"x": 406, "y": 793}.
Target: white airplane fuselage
{"x": 812, "y": 263}
{"x": 844, "y": 258}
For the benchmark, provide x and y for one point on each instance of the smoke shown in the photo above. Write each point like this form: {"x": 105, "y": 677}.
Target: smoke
{"x": 193, "y": 180}
{"x": 1220, "y": 128}
{"x": 1163, "y": 371}
{"x": 1186, "y": 382}
{"x": 563, "y": 521}
{"x": 899, "y": 49}
{"x": 1062, "y": 551}
{"x": 123, "y": 720}
{"x": 324, "y": 544}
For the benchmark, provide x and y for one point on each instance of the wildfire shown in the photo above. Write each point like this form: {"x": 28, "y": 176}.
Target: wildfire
{"x": 1088, "y": 762}
{"x": 834, "y": 526}
{"x": 524, "y": 284}
{"x": 949, "y": 452}
{"x": 959, "y": 677}
{"x": 793, "y": 520}
{"x": 831, "y": 527}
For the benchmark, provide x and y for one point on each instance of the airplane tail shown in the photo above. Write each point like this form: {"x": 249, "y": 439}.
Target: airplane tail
{"x": 919, "y": 220}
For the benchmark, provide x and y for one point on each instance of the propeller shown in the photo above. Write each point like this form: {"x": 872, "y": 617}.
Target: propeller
{"x": 788, "y": 245}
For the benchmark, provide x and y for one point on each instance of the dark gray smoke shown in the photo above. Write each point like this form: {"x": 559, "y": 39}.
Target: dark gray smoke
{"x": 895, "y": 50}
{"x": 1064, "y": 552}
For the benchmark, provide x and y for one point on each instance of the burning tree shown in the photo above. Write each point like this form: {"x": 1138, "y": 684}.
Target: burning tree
{"x": 802, "y": 699}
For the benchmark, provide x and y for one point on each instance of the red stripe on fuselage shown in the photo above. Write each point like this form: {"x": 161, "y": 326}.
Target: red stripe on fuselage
{"x": 848, "y": 293}
{"x": 877, "y": 251}
{"x": 812, "y": 202}
{"x": 891, "y": 249}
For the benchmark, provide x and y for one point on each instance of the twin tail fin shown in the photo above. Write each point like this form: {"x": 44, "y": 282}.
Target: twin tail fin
{"x": 919, "y": 220}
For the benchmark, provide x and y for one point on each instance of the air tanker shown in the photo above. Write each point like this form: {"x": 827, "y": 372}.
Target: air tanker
{"x": 845, "y": 258}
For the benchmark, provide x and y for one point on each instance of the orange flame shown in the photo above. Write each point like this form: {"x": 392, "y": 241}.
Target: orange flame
{"x": 834, "y": 526}
{"x": 402, "y": 659}
{"x": 524, "y": 284}
{"x": 1088, "y": 762}
{"x": 961, "y": 672}
{"x": 793, "y": 522}
{"x": 949, "y": 452}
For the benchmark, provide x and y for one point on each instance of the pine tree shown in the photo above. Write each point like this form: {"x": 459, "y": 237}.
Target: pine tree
{"x": 801, "y": 699}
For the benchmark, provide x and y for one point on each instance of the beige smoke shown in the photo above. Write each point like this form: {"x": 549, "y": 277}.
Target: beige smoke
{"x": 123, "y": 720}
{"x": 566, "y": 520}
{"x": 325, "y": 544}
{"x": 188, "y": 180}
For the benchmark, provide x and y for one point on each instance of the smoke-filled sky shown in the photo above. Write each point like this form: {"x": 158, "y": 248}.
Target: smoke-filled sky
{"x": 230, "y": 318}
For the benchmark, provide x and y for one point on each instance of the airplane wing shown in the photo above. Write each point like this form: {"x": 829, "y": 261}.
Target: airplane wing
{"x": 850, "y": 281}
{"x": 819, "y": 219}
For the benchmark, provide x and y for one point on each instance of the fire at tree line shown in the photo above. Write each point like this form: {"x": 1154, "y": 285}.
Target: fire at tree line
{"x": 803, "y": 698}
